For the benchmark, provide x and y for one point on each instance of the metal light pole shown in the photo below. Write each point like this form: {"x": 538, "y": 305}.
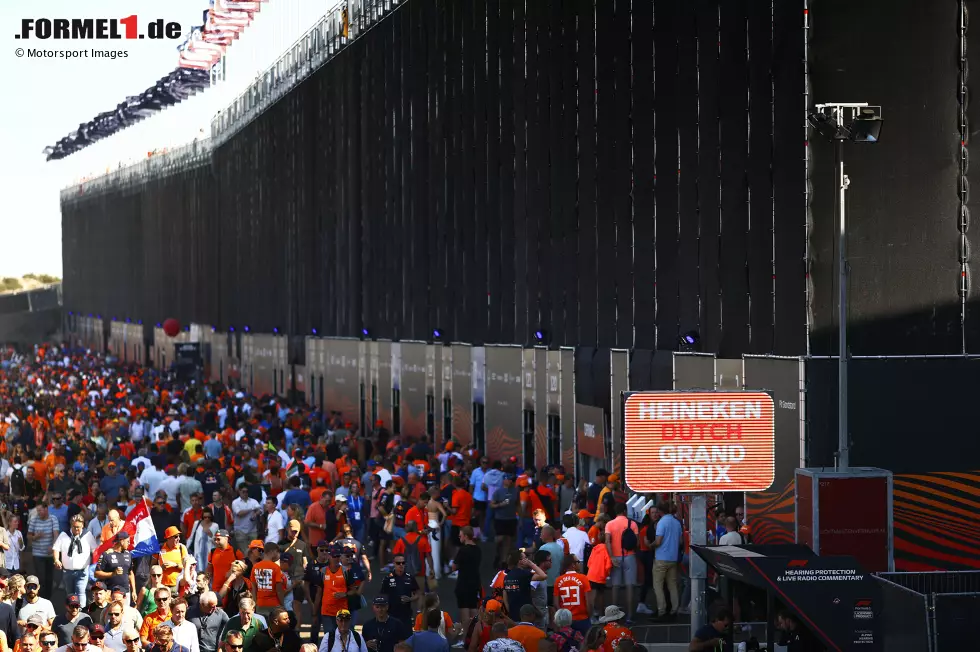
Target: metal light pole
{"x": 840, "y": 122}
{"x": 843, "y": 182}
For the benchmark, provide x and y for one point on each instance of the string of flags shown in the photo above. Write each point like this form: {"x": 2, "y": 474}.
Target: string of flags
{"x": 198, "y": 56}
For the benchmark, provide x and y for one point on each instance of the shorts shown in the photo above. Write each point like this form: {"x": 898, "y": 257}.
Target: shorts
{"x": 454, "y": 534}
{"x": 287, "y": 601}
{"x": 551, "y": 596}
{"x": 299, "y": 594}
{"x": 505, "y": 527}
{"x": 480, "y": 505}
{"x": 625, "y": 573}
{"x": 467, "y": 599}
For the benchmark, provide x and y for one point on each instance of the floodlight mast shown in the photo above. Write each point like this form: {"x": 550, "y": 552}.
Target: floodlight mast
{"x": 834, "y": 112}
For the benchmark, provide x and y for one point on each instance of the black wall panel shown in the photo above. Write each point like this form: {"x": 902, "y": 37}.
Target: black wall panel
{"x": 903, "y": 203}
{"x": 490, "y": 168}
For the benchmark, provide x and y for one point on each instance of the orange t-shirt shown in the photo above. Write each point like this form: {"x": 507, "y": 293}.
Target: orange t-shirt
{"x": 463, "y": 502}
{"x": 221, "y": 560}
{"x": 595, "y": 534}
{"x": 315, "y": 494}
{"x": 266, "y": 576}
{"x": 318, "y": 515}
{"x": 526, "y": 635}
{"x": 415, "y": 514}
{"x": 615, "y": 529}
{"x": 570, "y": 591}
{"x": 614, "y": 634}
{"x": 423, "y": 546}
{"x": 446, "y": 619}
{"x": 333, "y": 583}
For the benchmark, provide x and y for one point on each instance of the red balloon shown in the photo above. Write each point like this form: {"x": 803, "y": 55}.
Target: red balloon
{"x": 171, "y": 327}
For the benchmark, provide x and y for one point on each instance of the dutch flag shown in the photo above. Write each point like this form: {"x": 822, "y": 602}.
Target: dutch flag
{"x": 142, "y": 535}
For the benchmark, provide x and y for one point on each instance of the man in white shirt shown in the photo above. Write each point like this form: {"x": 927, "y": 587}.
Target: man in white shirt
{"x": 575, "y": 533}
{"x": 72, "y": 553}
{"x": 185, "y": 633}
{"x": 245, "y": 510}
{"x": 151, "y": 478}
{"x": 731, "y": 537}
{"x": 274, "y": 525}
{"x": 171, "y": 485}
{"x": 34, "y": 604}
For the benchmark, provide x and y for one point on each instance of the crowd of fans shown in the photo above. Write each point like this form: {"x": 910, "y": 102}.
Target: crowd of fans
{"x": 271, "y": 521}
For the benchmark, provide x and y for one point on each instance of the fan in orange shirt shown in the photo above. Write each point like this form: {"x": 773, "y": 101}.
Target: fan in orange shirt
{"x": 615, "y": 631}
{"x": 573, "y": 591}
{"x": 267, "y": 578}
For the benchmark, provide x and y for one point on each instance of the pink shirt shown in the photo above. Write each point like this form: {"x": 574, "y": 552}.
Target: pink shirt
{"x": 615, "y": 529}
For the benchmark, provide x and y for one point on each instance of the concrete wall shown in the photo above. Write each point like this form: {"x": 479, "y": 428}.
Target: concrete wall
{"x": 29, "y": 328}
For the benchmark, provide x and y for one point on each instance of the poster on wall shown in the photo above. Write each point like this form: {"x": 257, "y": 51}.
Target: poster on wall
{"x": 384, "y": 384}
{"x": 442, "y": 411}
{"x": 263, "y": 359}
{"x": 771, "y": 511}
{"x": 694, "y": 371}
{"x": 565, "y": 370}
{"x": 340, "y": 380}
{"x": 541, "y": 407}
{"x": 414, "y": 377}
{"x": 590, "y": 435}
{"x": 504, "y": 401}
{"x": 462, "y": 393}
{"x": 619, "y": 372}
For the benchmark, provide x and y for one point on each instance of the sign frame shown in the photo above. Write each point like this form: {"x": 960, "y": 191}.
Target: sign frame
{"x": 705, "y": 487}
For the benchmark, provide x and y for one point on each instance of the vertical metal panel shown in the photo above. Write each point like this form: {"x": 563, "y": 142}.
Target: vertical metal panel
{"x": 566, "y": 378}
{"x": 694, "y": 371}
{"x": 665, "y": 33}
{"x": 540, "y": 383}
{"x": 587, "y": 208}
{"x": 734, "y": 195}
{"x": 414, "y": 380}
{"x": 462, "y": 393}
{"x": 619, "y": 382}
{"x": 384, "y": 383}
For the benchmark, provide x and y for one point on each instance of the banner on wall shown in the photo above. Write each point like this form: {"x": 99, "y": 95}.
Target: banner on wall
{"x": 462, "y": 393}
{"x": 384, "y": 384}
{"x": 540, "y": 380}
{"x": 590, "y": 432}
{"x": 414, "y": 378}
{"x": 566, "y": 381}
{"x": 341, "y": 391}
{"x": 784, "y": 379}
{"x": 504, "y": 402}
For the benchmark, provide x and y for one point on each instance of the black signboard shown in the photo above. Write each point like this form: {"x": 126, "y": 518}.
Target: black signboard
{"x": 188, "y": 361}
{"x": 833, "y": 597}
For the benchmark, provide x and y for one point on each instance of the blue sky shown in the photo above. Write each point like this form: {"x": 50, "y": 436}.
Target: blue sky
{"x": 47, "y": 98}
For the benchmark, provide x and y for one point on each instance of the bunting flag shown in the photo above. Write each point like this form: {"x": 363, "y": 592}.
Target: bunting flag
{"x": 344, "y": 21}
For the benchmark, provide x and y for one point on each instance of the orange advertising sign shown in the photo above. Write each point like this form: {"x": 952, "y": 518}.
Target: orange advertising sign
{"x": 699, "y": 441}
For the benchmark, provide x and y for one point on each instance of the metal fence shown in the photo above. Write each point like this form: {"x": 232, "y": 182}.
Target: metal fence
{"x": 932, "y": 611}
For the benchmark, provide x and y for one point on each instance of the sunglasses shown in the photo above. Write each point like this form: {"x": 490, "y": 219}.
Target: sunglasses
{"x": 343, "y": 617}
{"x": 32, "y": 586}
{"x": 98, "y": 637}
{"x": 115, "y": 613}
{"x": 235, "y": 647}
{"x": 50, "y": 643}
{"x": 399, "y": 563}
{"x": 131, "y": 641}
{"x": 156, "y": 574}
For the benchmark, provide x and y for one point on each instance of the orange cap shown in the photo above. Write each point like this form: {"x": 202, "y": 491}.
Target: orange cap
{"x": 494, "y": 605}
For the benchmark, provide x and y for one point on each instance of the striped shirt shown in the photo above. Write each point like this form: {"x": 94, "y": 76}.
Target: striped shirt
{"x": 44, "y": 531}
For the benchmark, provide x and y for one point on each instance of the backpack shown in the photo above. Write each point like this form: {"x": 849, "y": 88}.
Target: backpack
{"x": 333, "y": 636}
{"x": 412, "y": 557}
{"x": 545, "y": 502}
{"x": 586, "y": 553}
{"x": 17, "y": 482}
{"x": 629, "y": 541}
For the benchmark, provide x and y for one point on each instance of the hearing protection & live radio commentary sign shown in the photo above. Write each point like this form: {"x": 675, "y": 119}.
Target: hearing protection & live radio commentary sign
{"x": 699, "y": 441}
